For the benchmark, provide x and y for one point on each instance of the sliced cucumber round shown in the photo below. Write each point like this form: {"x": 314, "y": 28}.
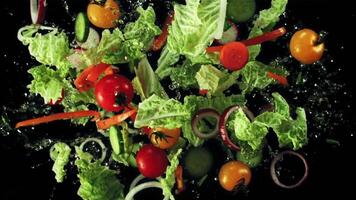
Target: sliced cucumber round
{"x": 240, "y": 10}
{"x": 81, "y": 27}
{"x": 198, "y": 161}
{"x": 115, "y": 140}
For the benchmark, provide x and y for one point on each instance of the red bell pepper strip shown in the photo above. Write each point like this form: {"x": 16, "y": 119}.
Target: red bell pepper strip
{"x": 59, "y": 116}
{"x": 179, "y": 178}
{"x": 162, "y": 38}
{"x": 265, "y": 37}
{"x": 281, "y": 79}
{"x": 117, "y": 119}
{"x": 88, "y": 78}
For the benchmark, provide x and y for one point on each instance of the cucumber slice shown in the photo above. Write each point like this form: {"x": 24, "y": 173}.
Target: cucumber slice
{"x": 198, "y": 161}
{"x": 114, "y": 140}
{"x": 240, "y": 10}
{"x": 81, "y": 27}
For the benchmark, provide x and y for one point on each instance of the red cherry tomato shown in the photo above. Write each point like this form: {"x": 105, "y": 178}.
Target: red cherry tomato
{"x": 151, "y": 161}
{"x": 113, "y": 92}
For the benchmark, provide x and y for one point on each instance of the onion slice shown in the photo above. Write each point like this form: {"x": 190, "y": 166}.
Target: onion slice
{"x": 135, "y": 190}
{"x": 37, "y": 8}
{"x": 101, "y": 144}
{"x": 222, "y": 125}
{"x": 202, "y": 113}
{"x": 274, "y": 174}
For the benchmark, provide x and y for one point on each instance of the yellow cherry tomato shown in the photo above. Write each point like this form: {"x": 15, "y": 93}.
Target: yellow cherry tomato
{"x": 233, "y": 173}
{"x": 103, "y": 16}
{"x": 164, "y": 138}
{"x": 305, "y": 48}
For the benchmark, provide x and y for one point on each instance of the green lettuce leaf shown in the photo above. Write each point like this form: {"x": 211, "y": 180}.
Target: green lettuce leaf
{"x": 158, "y": 112}
{"x": 146, "y": 82}
{"x": 254, "y": 76}
{"x": 138, "y": 36}
{"x": 193, "y": 29}
{"x": 49, "y": 49}
{"x": 60, "y": 153}
{"x": 169, "y": 180}
{"x": 46, "y": 82}
{"x": 266, "y": 20}
{"x": 184, "y": 75}
{"x": 215, "y": 81}
{"x": 97, "y": 182}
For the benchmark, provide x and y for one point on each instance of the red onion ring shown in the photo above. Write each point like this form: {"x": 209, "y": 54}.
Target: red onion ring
{"x": 205, "y": 112}
{"x": 37, "y": 8}
{"x": 273, "y": 169}
{"x": 222, "y": 125}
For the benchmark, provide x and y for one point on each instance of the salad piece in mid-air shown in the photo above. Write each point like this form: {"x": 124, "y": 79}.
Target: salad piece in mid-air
{"x": 106, "y": 75}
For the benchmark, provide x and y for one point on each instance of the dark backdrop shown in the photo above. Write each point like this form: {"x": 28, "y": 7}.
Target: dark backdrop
{"x": 332, "y": 172}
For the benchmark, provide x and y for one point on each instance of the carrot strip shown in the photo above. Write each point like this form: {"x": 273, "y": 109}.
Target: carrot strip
{"x": 58, "y": 116}
{"x": 281, "y": 79}
{"x": 117, "y": 119}
{"x": 179, "y": 178}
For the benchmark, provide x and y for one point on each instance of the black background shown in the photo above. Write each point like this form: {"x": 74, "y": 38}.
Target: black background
{"x": 332, "y": 169}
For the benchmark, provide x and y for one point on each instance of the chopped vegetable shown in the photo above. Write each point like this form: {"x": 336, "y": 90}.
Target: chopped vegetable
{"x": 100, "y": 143}
{"x": 169, "y": 180}
{"x": 89, "y": 77}
{"x": 200, "y": 116}
{"x": 59, "y": 153}
{"x": 281, "y": 79}
{"x": 179, "y": 178}
{"x": 234, "y": 173}
{"x": 230, "y": 33}
{"x": 162, "y": 38}
{"x": 114, "y": 140}
{"x": 114, "y": 120}
{"x": 59, "y": 116}
{"x": 198, "y": 161}
{"x": 265, "y": 37}
{"x": 241, "y": 10}
{"x": 81, "y": 28}
{"x": 38, "y": 9}
{"x": 278, "y": 158}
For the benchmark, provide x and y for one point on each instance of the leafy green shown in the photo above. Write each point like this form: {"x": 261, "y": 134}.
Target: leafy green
{"x": 215, "y": 81}
{"x": 266, "y": 20}
{"x": 254, "y": 75}
{"x": 169, "y": 180}
{"x": 192, "y": 30}
{"x": 97, "y": 182}
{"x": 249, "y": 156}
{"x": 46, "y": 82}
{"x": 158, "y": 112}
{"x": 146, "y": 82}
{"x": 184, "y": 75}
{"x": 194, "y": 103}
{"x": 138, "y": 36}
{"x": 49, "y": 49}
{"x": 60, "y": 153}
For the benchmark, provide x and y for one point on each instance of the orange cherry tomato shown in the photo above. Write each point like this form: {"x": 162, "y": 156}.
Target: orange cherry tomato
{"x": 305, "y": 48}
{"x": 103, "y": 16}
{"x": 233, "y": 173}
{"x": 164, "y": 138}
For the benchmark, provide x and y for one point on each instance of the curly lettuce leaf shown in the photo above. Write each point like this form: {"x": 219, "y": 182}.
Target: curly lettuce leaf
{"x": 138, "y": 36}
{"x": 254, "y": 76}
{"x": 215, "y": 81}
{"x": 158, "y": 112}
{"x": 266, "y": 20}
{"x": 169, "y": 180}
{"x": 97, "y": 182}
{"x": 184, "y": 75}
{"x": 146, "y": 82}
{"x": 60, "y": 153}
{"x": 46, "y": 82}
{"x": 49, "y": 49}
{"x": 193, "y": 29}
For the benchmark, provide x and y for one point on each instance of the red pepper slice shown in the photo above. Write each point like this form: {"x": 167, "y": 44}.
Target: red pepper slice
{"x": 281, "y": 79}
{"x": 162, "y": 38}
{"x": 179, "y": 178}
{"x": 88, "y": 78}
{"x": 265, "y": 37}
{"x": 117, "y": 119}
{"x": 59, "y": 116}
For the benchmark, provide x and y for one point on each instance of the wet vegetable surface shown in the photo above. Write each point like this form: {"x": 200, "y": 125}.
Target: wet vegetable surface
{"x": 324, "y": 89}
